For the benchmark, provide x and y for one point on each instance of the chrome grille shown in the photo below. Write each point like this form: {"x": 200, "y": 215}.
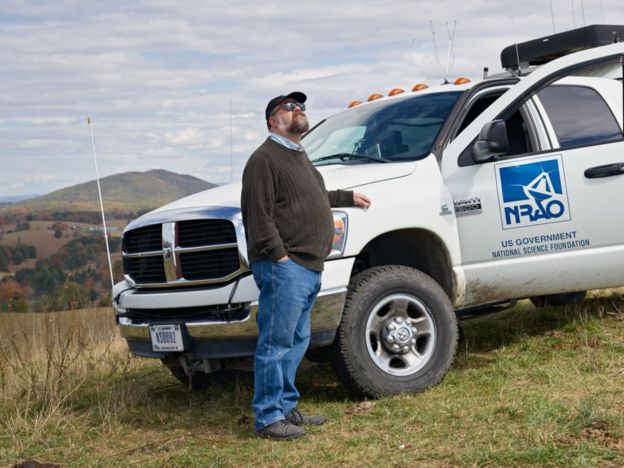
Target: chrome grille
{"x": 184, "y": 252}
{"x": 208, "y": 265}
{"x": 146, "y": 269}
{"x": 205, "y": 232}
{"x": 143, "y": 239}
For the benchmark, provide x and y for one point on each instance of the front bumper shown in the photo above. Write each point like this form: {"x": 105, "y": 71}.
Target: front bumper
{"x": 227, "y": 338}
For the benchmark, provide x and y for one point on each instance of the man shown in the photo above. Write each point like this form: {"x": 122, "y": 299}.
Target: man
{"x": 289, "y": 228}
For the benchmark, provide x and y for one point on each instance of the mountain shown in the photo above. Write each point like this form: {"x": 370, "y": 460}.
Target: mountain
{"x": 17, "y": 198}
{"x": 128, "y": 190}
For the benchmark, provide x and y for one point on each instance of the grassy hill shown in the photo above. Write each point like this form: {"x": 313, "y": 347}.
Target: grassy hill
{"x": 530, "y": 387}
{"x": 128, "y": 190}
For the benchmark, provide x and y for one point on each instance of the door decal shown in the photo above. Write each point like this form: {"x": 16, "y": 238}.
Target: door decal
{"x": 532, "y": 193}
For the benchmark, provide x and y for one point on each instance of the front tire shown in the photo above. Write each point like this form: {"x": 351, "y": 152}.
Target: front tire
{"x": 398, "y": 332}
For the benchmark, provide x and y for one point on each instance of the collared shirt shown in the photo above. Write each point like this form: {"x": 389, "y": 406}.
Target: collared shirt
{"x": 286, "y": 142}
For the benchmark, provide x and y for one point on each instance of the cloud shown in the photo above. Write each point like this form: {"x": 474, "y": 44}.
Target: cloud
{"x": 167, "y": 85}
{"x": 186, "y": 136}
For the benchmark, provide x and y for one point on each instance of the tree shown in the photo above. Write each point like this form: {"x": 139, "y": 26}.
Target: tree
{"x": 4, "y": 258}
{"x": 46, "y": 280}
{"x": 114, "y": 243}
{"x": 17, "y": 256}
{"x": 69, "y": 296}
{"x": 12, "y": 297}
{"x": 118, "y": 270}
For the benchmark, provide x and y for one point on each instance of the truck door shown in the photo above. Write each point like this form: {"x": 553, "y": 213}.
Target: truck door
{"x": 545, "y": 216}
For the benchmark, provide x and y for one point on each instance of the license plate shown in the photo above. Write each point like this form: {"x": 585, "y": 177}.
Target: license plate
{"x": 166, "y": 338}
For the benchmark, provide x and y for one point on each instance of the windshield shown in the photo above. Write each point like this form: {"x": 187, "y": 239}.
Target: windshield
{"x": 390, "y": 130}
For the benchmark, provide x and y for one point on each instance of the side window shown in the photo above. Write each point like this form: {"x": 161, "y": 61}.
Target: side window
{"x": 520, "y": 141}
{"x": 573, "y": 102}
{"x": 518, "y": 135}
{"x": 476, "y": 108}
{"x": 579, "y": 115}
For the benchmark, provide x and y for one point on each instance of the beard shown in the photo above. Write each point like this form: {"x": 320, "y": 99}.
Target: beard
{"x": 299, "y": 125}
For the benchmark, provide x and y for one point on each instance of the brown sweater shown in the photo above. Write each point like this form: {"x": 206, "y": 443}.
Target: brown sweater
{"x": 286, "y": 208}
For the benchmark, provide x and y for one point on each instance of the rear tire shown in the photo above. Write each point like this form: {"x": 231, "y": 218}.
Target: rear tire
{"x": 557, "y": 300}
{"x": 398, "y": 333}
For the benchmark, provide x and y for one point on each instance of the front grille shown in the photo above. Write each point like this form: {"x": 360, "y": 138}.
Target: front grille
{"x": 214, "y": 313}
{"x": 209, "y": 265}
{"x": 205, "y": 232}
{"x": 143, "y": 239}
{"x": 203, "y": 250}
{"x": 146, "y": 269}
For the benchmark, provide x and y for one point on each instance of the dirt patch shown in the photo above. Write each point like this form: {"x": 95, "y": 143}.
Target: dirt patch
{"x": 599, "y": 433}
{"x": 361, "y": 408}
{"x": 35, "y": 464}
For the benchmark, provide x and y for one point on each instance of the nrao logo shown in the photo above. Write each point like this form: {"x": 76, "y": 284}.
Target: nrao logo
{"x": 532, "y": 193}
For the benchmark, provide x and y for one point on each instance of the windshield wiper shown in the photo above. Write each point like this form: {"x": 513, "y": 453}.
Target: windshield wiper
{"x": 348, "y": 156}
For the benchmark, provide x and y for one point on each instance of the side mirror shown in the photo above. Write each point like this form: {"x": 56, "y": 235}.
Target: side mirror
{"x": 492, "y": 142}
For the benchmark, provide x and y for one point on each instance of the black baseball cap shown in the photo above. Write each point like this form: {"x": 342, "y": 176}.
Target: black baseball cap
{"x": 276, "y": 101}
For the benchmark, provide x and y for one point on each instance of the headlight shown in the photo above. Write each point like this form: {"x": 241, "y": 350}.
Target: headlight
{"x": 340, "y": 234}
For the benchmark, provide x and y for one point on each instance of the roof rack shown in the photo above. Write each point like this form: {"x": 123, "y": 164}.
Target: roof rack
{"x": 547, "y": 48}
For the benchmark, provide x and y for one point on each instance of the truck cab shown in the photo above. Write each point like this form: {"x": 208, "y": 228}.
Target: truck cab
{"x": 498, "y": 189}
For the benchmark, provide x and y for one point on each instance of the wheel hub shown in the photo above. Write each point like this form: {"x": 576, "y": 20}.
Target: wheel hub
{"x": 398, "y": 335}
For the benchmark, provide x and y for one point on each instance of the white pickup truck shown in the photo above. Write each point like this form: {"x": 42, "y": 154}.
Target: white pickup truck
{"x": 504, "y": 188}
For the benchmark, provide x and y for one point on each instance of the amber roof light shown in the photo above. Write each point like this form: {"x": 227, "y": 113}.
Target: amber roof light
{"x": 354, "y": 103}
{"x": 419, "y": 86}
{"x": 395, "y": 91}
{"x": 461, "y": 80}
{"x": 374, "y": 96}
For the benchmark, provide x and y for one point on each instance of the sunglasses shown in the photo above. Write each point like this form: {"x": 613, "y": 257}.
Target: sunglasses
{"x": 290, "y": 106}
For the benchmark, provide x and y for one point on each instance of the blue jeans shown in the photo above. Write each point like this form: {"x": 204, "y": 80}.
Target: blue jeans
{"x": 287, "y": 293}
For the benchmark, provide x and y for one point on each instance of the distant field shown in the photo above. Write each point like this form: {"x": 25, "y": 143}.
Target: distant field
{"x": 529, "y": 388}
{"x": 39, "y": 236}
{"x": 42, "y": 237}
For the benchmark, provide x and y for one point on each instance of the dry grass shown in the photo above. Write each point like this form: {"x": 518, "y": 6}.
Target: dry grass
{"x": 45, "y": 359}
{"x": 540, "y": 388}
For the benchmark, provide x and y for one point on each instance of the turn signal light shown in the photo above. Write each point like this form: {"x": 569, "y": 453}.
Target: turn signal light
{"x": 420, "y": 86}
{"x": 461, "y": 80}
{"x": 339, "y": 229}
{"x": 340, "y": 234}
{"x": 354, "y": 103}
{"x": 374, "y": 96}
{"x": 395, "y": 91}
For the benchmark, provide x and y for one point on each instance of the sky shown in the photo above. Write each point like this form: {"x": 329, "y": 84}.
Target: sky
{"x": 182, "y": 85}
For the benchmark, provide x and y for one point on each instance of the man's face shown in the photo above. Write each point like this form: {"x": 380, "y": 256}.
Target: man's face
{"x": 294, "y": 121}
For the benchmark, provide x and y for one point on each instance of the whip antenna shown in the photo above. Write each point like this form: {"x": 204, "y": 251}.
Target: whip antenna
{"x": 97, "y": 179}
{"x": 435, "y": 50}
{"x": 231, "y": 164}
{"x": 513, "y": 32}
{"x": 450, "y": 58}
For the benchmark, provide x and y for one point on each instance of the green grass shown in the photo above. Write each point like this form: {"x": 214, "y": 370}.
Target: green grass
{"x": 529, "y": 388}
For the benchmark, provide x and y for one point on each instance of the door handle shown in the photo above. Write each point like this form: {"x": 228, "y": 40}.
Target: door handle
{"x": 607, "y": 170}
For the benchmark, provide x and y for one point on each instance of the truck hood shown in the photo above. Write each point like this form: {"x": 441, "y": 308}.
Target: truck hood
{"x": 337, "y": 176}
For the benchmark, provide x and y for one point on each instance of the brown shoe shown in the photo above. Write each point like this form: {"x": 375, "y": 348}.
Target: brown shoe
{"x": 298, "y": 419}
{"x": 280, "y": 430}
